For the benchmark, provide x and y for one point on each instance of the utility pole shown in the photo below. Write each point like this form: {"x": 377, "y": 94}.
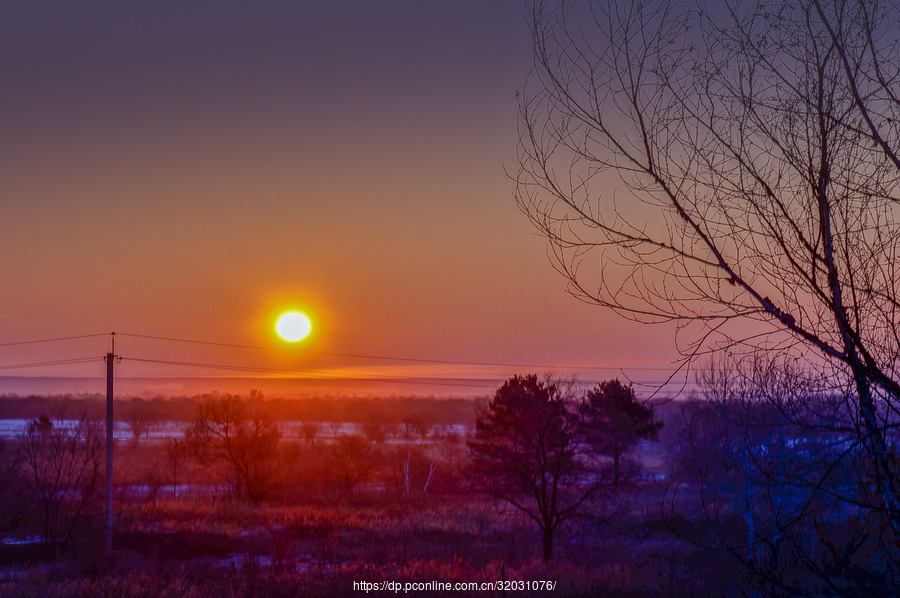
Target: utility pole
{"x": 110, "y": 359}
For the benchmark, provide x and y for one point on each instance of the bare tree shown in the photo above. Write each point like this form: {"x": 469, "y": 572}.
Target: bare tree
{"x": 310, "y": 429}
{"x": 14, "y": 488}
{"x": 62, "y": 462}
{"x": 352, "y": 459}
{"x": 414, "y": 426}
{"x": 335, "y": 427}
{"x": 769, "y": 448}
{"x": 415, "y": 466}
{"x": 733, "y": 168}
{"x": 139, "y": 418}
{"x": 177, "y": 452}
{"x": 241, "y": 434}
{"x": 375, "y": 431}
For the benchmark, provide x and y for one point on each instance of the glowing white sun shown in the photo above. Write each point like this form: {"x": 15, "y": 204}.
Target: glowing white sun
{"x": 293, "y": 326}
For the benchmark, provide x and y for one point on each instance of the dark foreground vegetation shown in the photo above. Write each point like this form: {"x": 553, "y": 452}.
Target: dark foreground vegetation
{"x": 589, "y": 489}
{"x": 178, "y": 548}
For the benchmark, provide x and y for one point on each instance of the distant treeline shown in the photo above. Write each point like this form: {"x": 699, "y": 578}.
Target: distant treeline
{"x": 325, "y": 409}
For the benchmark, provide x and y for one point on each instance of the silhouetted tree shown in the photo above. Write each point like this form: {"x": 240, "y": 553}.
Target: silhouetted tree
{"x": 526, "y": 452}
{"x": 733, "y": 169}
{"x": 241, "y": 434}
{"x": 414, "y": 426}
{"x": 139, "y": 417}
{"x": 310, "y": 429}
{"x": 177, "y": 452}
{"x": 766, "y": 448}
{"x": 352, "y": 459}
{"x": 613, "y": 420}
{"x": 375, "y": 431}
{"x": 62, "y": 464}
{"x": 415, "y": 466}
{"x": 14, "y": 489}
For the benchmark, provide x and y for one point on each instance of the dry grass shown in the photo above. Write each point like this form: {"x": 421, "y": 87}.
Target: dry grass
{"x": 184, "y": 549}
{"x": 569, "y": 580}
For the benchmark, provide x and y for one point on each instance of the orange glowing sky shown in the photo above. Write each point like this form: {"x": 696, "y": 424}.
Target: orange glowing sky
{"x": 192, "y": 170}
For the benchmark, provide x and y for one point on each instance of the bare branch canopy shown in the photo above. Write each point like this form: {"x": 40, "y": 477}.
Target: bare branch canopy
{"x": 731, "y": 167}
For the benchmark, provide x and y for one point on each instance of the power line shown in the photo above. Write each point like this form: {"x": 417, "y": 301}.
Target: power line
{"x": 305, "y": 374}
{"x": 407, "y": 359}
{"x": 50, "y": 363}
{"x": 313, "y": 375}
{"x": 50, "y": 340}
{"x": 332, "y": 354}
{"x": 184, "y": 340}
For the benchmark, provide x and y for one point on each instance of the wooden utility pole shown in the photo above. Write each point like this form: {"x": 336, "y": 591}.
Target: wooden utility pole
{"x": 110, "y": 359}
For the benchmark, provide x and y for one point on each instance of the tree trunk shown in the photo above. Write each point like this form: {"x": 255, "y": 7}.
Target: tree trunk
{"x": 406, "y": 470}
{"x": 616, "y": 469}
{"x": 548, "y": 544}
{"x": 885, "y": 479}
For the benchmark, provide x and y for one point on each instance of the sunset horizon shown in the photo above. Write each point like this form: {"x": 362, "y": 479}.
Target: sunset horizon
{"x": 518, "y": 297}
{"x": 199, "y": 188}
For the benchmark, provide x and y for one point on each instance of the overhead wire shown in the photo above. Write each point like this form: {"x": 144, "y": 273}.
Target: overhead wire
{"x": 391, "y": 358}
{"x": 50, "y": 363}
{"x": 368, "y": 377}
{"x": 50, "y": 340}
{"x": 318, "y": 375}
{"x": 196, "y": 342}
{"x": 302, "y": 374}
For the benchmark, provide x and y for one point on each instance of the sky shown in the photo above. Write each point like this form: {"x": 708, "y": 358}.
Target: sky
{"x": 191, "y": 170}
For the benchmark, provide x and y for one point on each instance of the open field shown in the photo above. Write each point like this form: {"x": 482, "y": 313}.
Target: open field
{"x": 316, "y": 507}
{"x": 186, "y": 548}
{"x": 407, "y": 517}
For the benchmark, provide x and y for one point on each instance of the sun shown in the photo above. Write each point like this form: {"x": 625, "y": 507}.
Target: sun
{"x": 293, "y": 326}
